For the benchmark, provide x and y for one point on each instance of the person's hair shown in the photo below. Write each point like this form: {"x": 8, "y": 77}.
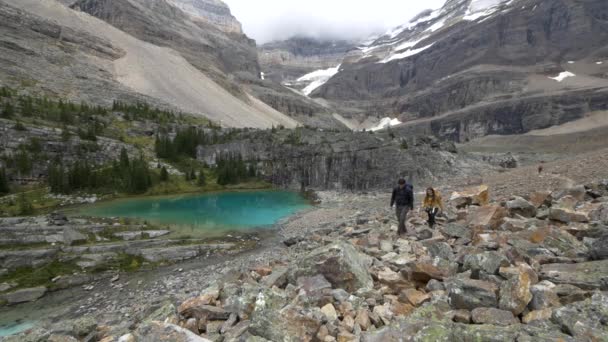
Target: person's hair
{"x": 401, "y": 181}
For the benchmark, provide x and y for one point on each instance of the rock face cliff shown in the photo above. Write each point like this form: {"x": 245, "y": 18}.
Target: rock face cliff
{"x": 215, "y": 12}
{"x": 345, "y": 161}
{"x": 286, "y": 61}
{"x": 497, "y": 67}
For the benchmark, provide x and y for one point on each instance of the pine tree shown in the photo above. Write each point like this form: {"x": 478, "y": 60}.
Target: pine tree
{"x": 164, "y": 175}
{"x": 8, "y": 111}
{"x": 25, "y": 206}
{"x": 201, "y": 178}
{"x": 4, "y": 188}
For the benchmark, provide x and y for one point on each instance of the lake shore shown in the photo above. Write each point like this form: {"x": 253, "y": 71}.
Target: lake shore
{"x": 133, "y": 296}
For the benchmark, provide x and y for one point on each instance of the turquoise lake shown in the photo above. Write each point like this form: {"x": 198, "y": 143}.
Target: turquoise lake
{"x": 214, "y": 212}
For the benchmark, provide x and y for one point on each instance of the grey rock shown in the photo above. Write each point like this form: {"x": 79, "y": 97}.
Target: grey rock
{"x": 340, "y": 263}
{"x": 157, "y": 332}
{"x": 520, "y": 206}
{"x": 488, "y": 262}
{"x": 585, "y": 320}
{"x": 71, "y": 237}
{"x": 493, "y": 316}
{"x": 440, "y": 250}
{"x": 587, "y": 275}
{"x": 599, "y": 248}
{"x": 457, "y": 230}
{"x": 24, "y": 295}
{"x": 469, "y": 294}
{"x": 515, "y": 293}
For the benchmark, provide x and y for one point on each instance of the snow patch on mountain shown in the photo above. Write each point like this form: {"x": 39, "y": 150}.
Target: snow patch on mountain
{"x": 318, "y": 78}
{"x": 562, "y": 76}
{"x": 405, "y": 54}
{"x": 483, "y": 8}
{"x": 384, "y": 123}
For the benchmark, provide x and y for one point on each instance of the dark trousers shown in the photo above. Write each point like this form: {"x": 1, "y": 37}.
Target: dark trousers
{"x": 432, "y": 212}
{"x": 401, "y": 212}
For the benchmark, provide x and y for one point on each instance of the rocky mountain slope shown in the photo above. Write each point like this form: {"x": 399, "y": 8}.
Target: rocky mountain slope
{"x": 473, "y": 68}
{"x": 147, "y": 50}
{"x": 529, "y": 268}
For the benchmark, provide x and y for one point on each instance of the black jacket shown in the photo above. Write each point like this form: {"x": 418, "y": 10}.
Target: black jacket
{"x": 403, "y": 196}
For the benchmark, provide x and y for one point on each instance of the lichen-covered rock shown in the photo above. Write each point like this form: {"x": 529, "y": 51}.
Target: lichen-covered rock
{"x": 515, "y": 293}
{"x": 342, "y": 265}
{"x": 488, "y": 262}
{"x": 585, "y": 320}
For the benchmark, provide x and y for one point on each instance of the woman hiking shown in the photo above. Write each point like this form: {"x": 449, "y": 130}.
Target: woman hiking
{"x": 432, "y": 205}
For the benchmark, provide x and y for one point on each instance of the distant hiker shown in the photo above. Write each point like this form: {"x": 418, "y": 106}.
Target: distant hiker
{"x": 432, "y": 204}
{"x": 403, "y": 198}
{"x": 540, "y": 168}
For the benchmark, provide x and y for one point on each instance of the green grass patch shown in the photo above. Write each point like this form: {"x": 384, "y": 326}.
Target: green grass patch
{"x": 38, "y": 197}
{"x": 41, "y": 276}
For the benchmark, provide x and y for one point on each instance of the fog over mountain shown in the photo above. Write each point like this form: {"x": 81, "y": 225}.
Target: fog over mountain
{"x": 267, "y": 20}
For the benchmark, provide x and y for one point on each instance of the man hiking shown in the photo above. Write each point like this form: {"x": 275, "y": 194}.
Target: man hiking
{"x": 403, "y": 198}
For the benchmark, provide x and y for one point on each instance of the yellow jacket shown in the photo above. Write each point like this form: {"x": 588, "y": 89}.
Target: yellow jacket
{"x": 433, "y": 202}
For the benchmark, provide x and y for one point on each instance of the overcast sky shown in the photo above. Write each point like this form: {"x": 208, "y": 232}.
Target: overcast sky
{"x": 266, "y": 20}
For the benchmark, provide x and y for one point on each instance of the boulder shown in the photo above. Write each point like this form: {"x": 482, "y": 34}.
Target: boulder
{"x": 461, "y": 316}
{"x": 392, "y": 279}
{"x": 330, "y": 312}
{"x": 342, "y": 265}
{"x": 290, "y": 323}
{"x": 203, "y": 312}
{"x": 543, "y": 296}
{"x": 472, "y": 196}
{"x": 469, "y": 294}
{"x": 515, "y": 293}
{"x": 519, "y": 206}
{"x": 566, "y": 215}
{"x": 599, "y": 248}
{"x": 493, "y": 316}
{"x": 585, "y": 320}
{"x": 577, "y": 192}
{"x": 362, "y": 319}
{"x": 537, "y": 315}
{"x": 538, "y": 198}
{"x": 313, "y": 286}
{"x": 24, "y": 295}
{"x": 414, "y": 297}
{"x": 489, "y": 262}
{"x": 423, "y": 272}
{"x": 72, "y": 237}
{"x": 158, "y": 332}
{"x": 487, "y": 217}
{"x": 587, "y": 275}
{"x": 457, "y": 230}
{"x": 439, "y": 249}
{"x": 600, "y": 214}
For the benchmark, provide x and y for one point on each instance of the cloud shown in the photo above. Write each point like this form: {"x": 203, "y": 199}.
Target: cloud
{"x": 267, "y": 20}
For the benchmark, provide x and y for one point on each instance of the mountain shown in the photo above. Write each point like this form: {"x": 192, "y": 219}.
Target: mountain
{"x": 190, "y": 56}
{"x": 288, "y": 60}
{"x": 478, "y": 67}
